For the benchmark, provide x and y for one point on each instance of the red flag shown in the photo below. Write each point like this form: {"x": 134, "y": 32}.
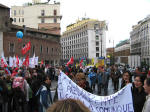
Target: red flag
{"x": 81, "y": 63}
{"x": 41, "y": 63}
{"x": 3, "y": 64}
{"x": 17, "y": 61}
{"x": 26, "y": 61}
{"x": 70, "y": 61}
{"x": 26, "y": 48}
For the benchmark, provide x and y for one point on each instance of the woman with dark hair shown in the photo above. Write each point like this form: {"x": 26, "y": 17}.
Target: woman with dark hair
{"x": 68, "y": 105}
{"x": 146, "y": 107}
{"x": 126, "y": 79}
{"x": 138, "y": 94}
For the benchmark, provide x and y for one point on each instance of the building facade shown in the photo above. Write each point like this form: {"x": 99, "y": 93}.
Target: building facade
{"x": 38, "y": 15}
{"x": 122, "y": 52}
{"x": 140, "y": 40}
{"x": 86, "y": 38}
{"x": 45, "y": 45}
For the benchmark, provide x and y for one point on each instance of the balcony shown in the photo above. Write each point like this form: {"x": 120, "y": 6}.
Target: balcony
{"x": 44, "y": 16}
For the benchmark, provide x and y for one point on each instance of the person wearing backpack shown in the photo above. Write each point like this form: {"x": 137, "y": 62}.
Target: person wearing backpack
{"x": 44, "y": 93}
{"x": 19, "y": 95}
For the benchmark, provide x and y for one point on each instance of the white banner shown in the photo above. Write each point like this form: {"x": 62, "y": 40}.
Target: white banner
{"x": 10, "y": 61}
{"x": 118, "y": 102}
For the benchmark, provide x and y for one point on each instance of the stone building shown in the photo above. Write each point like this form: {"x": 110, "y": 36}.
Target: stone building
{"x": 84, "y": 39}
{"x": 121, "y": 52}
{"x": 38, "y": 15}
{"x": 140, "y": 40}
{"x": 45, "y": 45}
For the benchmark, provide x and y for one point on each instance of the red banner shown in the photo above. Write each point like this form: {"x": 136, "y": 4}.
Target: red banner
{"x": 26, "y": 48}
{"x": 17, "y": 61}
{"x": 26, "y": 61}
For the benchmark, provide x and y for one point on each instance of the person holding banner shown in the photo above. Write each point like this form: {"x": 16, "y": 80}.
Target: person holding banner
{"x": 146, "y": 107}
{"x": 126, "y": 79}
{"x": 138, "y": 94}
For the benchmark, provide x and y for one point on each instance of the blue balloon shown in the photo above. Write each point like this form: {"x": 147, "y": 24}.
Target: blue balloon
{"x": 19, "y": 34}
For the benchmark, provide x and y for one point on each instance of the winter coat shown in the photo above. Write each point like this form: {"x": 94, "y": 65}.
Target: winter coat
{"x": 138, "y": 98}
{"x": 92, "y": 77}
{"x": 45, "y": 98}
{"x": 99, "y": 78}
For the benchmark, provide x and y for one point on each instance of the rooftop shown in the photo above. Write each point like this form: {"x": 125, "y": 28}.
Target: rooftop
{"x": 123, "y": 42}
{"x": 3, "y": 6}
{"x": 33, "y": 30}
{"x": 79, "y": 23}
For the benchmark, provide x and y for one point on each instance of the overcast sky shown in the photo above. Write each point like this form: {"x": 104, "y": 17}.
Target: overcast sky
{"x": 119, "y": 14}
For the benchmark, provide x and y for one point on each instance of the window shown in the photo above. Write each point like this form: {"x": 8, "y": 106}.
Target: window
{"x": 97, "y": 43}
{"x": 14, "y": 20}
{"x": 41, "y": 49}
{"x": 55, "y": 20}
{"x": 97, "y": 54}
{"x": 55, "y": 12}
{"x": 14, "y": 12}
{"x": 97, "y": 37}
{"x": 97, "y": 48}
{"x": 96, "y": 26}
{"x": 19, "y": 19}
{"x": 22, "y": 19}
{"x": 42, "y": 20}
{"x": 11, "y": 47}
{"x": 22, "y": 12}
{"x": 52, "y": 49}
{"x": 47, "y": 50}
{"x": 96, "y": 31}
{"x": 42, "y": 12}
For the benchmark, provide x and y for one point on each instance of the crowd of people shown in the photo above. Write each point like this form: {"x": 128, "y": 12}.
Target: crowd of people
{"x": 28, "y": 89}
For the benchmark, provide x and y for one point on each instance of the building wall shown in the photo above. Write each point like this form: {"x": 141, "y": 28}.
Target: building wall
{"x": 33, "y": 18}
{"x": 4, "y": 18}
{"x": 140, "y": 40}
{"x": 122, "y": 53}
{"x": 1, "y": 42}
{"x": 19, "y": 10}
{"x": 54, "y": 48}
{"x": 79, "y": 40}
{"x": 91, "y": 44}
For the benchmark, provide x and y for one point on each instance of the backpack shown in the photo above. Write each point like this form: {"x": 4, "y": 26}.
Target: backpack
{"x": 18, "y": 82}
{"x": 38, "y": 95}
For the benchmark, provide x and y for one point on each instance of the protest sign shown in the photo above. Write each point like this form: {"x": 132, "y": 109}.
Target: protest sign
{"x": 118, "y": 102}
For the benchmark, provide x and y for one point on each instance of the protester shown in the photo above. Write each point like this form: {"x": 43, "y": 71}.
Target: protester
{"x": 146, "y": 107}
{"x": 115, "y": 76}
{"x": 99, "y": 78}
{"x": 138, "y": 94}
{"x": 45, "y": 95}
{"x": 126, "y": 79}
{"x": 105, "y": 80}
{"x": 92, "y": 77}
{"x": 68, "y": 105}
